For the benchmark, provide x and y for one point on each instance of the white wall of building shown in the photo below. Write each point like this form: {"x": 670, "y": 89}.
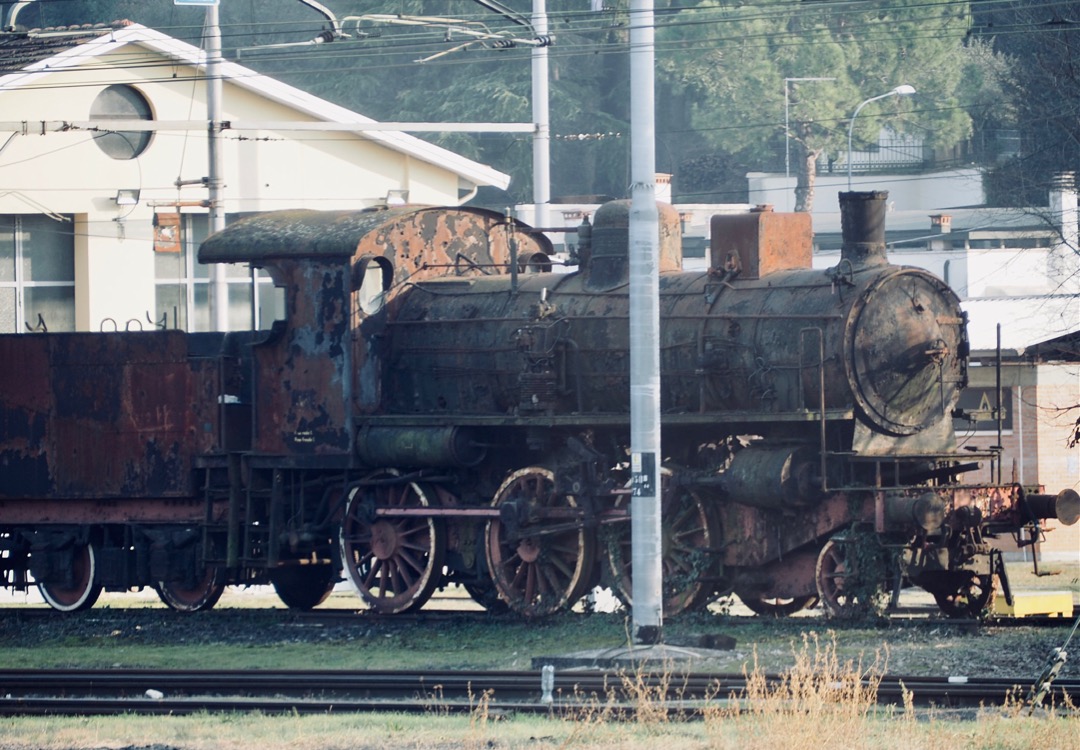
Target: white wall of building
{"x": 923, "y": 192}
{"x": 65, "y": 174}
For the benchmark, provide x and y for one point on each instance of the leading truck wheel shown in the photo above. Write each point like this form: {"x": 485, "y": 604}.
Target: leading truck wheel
{"x": 394, "y": 561}
{"x": 846, "y": 589}
{"x": 962, "y": 594}
{"x": 541, "y": 556}
{"x": 80, "y": 590}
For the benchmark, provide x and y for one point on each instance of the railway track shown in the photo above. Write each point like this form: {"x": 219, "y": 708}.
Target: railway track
{"x": 117, "y": 691}
{"x": 338, "y": 616}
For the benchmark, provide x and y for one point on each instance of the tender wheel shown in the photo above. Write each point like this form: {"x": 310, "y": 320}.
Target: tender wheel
{"x": 844, "y": 589}
{"x": 777, "y": 607}
{"x": 81, "y": 590}
{"x": 197, "y": 597}
{"x": 393, "y": 562}
{"x": 303, "y": 587}
{"x": 688, "y": 532}
{"x": 540, "y": 562}
{"x": 962, "y": 594}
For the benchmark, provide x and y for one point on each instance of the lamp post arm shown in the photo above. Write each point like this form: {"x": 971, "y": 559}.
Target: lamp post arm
{"x": 901, "y": 90}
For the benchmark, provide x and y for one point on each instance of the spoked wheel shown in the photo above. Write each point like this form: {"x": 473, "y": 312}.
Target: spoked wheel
{"x": 688, "y": 532}
{"x": 394, "y": 562}
{"x": 303, "y": 587}
{"x": 777, "y": 606}
{"x": 844, "y": 589}
{"x": 963, "y": 594}
{"x": 539, "y": 566}
{"x": 80, "y": 590}
{"x": 188, "y": 596}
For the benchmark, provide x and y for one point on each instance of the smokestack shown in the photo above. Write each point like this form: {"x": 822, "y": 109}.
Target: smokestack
{"x": 862, "y": 224}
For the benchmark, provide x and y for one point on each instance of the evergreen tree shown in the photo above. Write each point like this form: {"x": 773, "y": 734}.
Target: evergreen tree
{"x": 735, "y": 61}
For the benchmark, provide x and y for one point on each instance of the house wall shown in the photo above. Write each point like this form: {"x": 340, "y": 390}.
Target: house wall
{"x": 67, "y": 174}
{"x": 957, "y": 187}
{"x": 1035, "y": 452}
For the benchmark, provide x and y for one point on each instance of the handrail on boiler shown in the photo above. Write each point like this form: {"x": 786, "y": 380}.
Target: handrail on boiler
{"x": 821, "y": 390}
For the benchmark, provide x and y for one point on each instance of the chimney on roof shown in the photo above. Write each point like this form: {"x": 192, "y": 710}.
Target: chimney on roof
{"x": 1064, "y": 257}
{"x": 940, "y": 223}
{"x": 1063, "y": 206}
{"x": 663, "y": 187}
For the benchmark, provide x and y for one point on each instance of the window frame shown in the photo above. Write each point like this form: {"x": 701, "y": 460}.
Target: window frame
{"x": 20, "y": 282}
{"x": 194, "y": 283}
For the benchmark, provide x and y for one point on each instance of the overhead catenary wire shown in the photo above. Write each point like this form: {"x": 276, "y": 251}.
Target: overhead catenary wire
{"x": 567, "y": 47}
{"x": 686, "y": 15}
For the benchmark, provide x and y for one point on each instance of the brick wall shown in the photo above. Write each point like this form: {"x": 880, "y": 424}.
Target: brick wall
{"x": 1059, "y": 465}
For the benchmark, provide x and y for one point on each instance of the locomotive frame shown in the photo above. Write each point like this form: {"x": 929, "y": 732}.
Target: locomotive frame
{"x": 439, "y": 407}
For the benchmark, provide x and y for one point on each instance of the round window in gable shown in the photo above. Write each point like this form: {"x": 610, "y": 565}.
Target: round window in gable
{"x": 120, "y": 102}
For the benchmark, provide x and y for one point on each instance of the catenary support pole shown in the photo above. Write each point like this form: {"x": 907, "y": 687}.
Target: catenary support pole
{"x": 542, "y": 136}
{"x": 644, "y": 333}
{"x": 219, "y": 290}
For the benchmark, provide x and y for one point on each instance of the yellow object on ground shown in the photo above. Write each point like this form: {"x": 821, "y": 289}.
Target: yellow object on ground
{"x": 1026, "y": 603}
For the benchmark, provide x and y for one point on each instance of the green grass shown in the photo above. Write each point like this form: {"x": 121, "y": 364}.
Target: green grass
{"x": 807, "y": 714}
{"x": 825, "y": 701}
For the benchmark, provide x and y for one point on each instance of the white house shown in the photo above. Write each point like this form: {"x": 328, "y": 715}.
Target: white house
{"x": 98, "y": 228}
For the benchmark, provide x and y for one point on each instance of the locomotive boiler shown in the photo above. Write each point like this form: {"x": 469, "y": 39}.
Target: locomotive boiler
{"x": 440, "y": 407}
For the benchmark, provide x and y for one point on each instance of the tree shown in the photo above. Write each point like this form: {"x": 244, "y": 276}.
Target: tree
{"x": 735, "y": 62}
{"x": 1043, "y": 95}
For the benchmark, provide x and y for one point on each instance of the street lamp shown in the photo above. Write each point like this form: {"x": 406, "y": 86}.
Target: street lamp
{"x": 901, "y": 90}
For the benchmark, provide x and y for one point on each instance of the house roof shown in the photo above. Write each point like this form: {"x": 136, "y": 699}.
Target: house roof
{"x": 26, "y": 57}
{"x": 1026, "y": 322}
{"x": 913, "y": 227}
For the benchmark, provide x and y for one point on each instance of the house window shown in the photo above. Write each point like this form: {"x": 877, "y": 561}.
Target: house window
{"x": 37, "y": 274}
{"x": 183, "y": 287}
{"x": 120, "y": 102}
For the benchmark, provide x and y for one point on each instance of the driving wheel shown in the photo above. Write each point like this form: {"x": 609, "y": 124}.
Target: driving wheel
{"x": 687, "y": 534}
{"x": 541, "y": 556}
{"x": 393, "y": 560}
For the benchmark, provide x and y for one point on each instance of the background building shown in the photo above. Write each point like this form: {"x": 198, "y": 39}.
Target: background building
{"x": 98, "y": 229}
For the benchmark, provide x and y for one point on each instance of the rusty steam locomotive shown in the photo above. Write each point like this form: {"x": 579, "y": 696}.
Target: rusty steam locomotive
{"x": 440, "y": 407}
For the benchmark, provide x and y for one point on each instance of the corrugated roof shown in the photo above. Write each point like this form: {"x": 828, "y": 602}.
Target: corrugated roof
{"x": 41, "y": 52}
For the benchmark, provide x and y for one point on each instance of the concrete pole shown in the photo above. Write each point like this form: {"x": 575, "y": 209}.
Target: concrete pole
{"x": 542, "y": 136}
{"x": 219, "y": 289}
{"x": 644, "y": 333}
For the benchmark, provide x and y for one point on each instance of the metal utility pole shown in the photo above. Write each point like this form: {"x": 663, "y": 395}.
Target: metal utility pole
{"x": 644, "y": 233}
{"x": 219, "y": 288}
{"x": 542, "y": 136}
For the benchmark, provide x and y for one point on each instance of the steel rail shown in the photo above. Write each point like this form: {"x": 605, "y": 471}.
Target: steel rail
{"x": 70, "y": 692}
